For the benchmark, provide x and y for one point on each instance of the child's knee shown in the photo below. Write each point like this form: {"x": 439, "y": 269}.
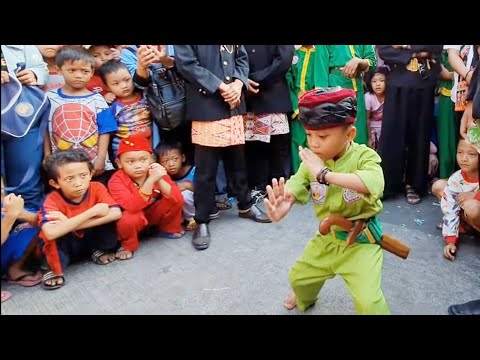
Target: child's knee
{"x": 130, "y": 220}
{"x": 438, "y": 187}
{"x": 471, "y": 209}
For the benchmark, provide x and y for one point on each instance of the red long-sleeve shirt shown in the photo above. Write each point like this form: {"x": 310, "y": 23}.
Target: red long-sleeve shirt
{"x": 125, "y": 192}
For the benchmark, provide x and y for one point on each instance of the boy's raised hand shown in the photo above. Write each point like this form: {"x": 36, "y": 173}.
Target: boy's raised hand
{"x": 312, "y": 161}
{"x": 156, "y": 172}
{"x": 279, "y": 200}
{"x": 13, "y": 205}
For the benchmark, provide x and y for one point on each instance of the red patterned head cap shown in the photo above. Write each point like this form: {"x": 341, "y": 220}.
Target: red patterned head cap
{"x": 134, "y": 143}
{"x": 327, "y": 107}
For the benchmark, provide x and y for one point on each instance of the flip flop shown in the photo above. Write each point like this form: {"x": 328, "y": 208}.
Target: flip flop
{"x": 167, "y": 235}
{"x": 5, "y": 296}
{"x": 27, "y": 282}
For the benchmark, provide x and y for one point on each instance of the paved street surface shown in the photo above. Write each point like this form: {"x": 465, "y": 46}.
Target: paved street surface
{"x": 245, "y": 272}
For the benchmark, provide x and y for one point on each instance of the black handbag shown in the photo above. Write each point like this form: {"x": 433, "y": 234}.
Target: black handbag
{"x": 166, "y": 97}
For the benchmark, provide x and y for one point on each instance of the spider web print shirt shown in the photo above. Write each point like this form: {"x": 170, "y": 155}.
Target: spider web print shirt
{"x": 76, "y": 122}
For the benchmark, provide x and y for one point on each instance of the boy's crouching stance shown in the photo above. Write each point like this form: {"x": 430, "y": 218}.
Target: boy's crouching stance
{"x": 78, "y": 218}
{"x": 343, "y": 178}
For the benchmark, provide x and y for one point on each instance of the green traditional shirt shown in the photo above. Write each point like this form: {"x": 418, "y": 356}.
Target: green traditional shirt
{"x": 445, "y": 86}
{"x": 333, "y": 199}
{"x": 300, "y": 75}
{"x": 327, "y": 73}
{"x": 330, "y": 58}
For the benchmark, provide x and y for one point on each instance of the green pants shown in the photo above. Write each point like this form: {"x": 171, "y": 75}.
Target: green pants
{"x": 299, "y": 138}
{"x": 447, "y": 137}
{"x": 360, "y": 266}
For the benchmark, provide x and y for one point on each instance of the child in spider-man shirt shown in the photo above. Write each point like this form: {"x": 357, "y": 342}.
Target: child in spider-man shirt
{"x": 80, "y": 118}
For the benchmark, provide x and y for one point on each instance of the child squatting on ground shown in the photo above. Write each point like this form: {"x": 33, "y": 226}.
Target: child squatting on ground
{"x": 342, "y": 178}
{"x": 77, "y": 218}
{"x": 171, "y": 156}
{"x": 146, "y": 195}
{"x": 460, "y": 198}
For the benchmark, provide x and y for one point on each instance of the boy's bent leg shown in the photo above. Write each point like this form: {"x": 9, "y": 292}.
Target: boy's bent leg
{"x": 102, "y": 241}
{"x": 438, "y": 187}
{"x": 15, "y": 248}
{"x": 128, "y": 227}
{"x": 167, "y": 215}
{"x": 188, "y": 205}
{"x": 58, "y": 254}
{"x": 309, "y": 273}
{"x": 471, "y": 210}
{"x": 361, "y": 269}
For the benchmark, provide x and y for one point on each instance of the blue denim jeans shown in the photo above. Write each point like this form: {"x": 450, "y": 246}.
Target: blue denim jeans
{"x": 18, "y": 155}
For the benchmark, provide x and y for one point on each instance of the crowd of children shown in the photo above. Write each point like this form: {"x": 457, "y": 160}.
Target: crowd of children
{"x": 107, "y": 174}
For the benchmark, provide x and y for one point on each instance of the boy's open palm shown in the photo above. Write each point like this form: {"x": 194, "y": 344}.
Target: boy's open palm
{"x": 279, "y": 200}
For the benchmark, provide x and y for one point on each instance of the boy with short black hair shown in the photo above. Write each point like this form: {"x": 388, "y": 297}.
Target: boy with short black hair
{"x": 130, "y": 108}
{"x": 171, "y": 156}
{"x": 147, "y": 195}
{"x": 76, "y": 219}
{"x": 342, "y": 178}
{"x": 78, "y": 117}
{"x": 101, "y": 54}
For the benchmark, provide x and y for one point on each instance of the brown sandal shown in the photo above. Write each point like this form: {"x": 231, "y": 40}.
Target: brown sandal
{"x": 411, "y": 196}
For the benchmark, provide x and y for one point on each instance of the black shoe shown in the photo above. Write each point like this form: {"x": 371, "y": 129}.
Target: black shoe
{"x": 215, "y": 214}
{"x": 469, "y": 308}
{"x": 256, "y": 215}
{"x": 201, "y": 237}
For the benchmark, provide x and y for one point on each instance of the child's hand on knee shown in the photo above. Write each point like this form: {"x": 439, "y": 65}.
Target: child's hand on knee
{"x": 450, "y": 250}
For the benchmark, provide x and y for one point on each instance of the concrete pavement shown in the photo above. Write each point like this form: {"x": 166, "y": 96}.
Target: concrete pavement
{"x": 245, "y": 272}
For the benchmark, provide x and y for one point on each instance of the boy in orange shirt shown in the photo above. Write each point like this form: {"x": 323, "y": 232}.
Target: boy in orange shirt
{"x": 76, "y": 219}
{"x": 146, "y": 194}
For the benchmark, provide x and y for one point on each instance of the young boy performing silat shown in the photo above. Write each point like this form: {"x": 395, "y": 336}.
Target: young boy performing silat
{"x": 343, "y": 179}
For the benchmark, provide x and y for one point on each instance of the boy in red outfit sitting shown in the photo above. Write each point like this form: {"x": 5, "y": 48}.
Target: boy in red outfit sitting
{"x": 76, "y": 219}
{"x": 146, "y": 194}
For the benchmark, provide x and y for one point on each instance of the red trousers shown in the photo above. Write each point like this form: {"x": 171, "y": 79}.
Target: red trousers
{"x": 165, "y": 213}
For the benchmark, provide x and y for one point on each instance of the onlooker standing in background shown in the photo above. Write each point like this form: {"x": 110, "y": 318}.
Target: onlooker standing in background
{"x": 300, "y": 79}
{"x": 19, "y": 155}
{"x": 266, "y": 123}
{"x": 408, "y": 117}
{"x": 54, "y": 79}
{"x": 343, "y": 65}
{"x": 216, "y": 77}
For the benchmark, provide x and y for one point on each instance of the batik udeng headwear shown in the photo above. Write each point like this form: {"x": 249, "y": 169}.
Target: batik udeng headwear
{"x": 327, "y": 107}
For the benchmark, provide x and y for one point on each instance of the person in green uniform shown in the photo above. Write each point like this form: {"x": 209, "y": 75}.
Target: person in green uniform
{"x": 300, "y": 80}
{"x": 447, "y": 131}
{"x": 341, "y": 177}
{"x": 343, "y": 65}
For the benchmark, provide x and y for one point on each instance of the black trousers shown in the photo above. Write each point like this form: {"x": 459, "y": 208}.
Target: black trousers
{"x": 408, "y": 118}
{"x": 266, "y": 161}
{"x": 206, "y": 163}
{"x": 72, "y": 248}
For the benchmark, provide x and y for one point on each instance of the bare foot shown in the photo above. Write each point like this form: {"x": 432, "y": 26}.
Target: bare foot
{"x": 290, "y": 301}
{"x": 123, "y": 254}
{"x": 54, "y": 282}
{"x": 107, "y": 258}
